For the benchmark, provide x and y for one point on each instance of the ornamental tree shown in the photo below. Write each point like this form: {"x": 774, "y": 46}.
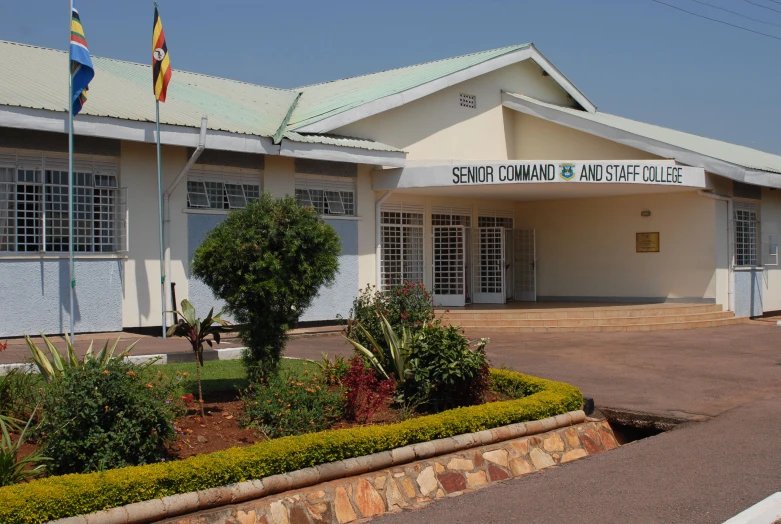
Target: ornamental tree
{"x": 267, "y": 262}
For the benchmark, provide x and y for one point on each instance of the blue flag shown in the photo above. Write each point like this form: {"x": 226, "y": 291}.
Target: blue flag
{"x": 81, "y": 63}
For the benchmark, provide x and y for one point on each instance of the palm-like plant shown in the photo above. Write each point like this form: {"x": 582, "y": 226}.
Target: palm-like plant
{"x": 395, "y": 355}
{"x": 12, "y": 469}
{"x": 52, "y": 369}
{"x": 196, "y": 331}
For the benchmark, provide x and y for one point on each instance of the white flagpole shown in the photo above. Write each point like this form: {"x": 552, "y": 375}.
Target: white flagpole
{"x": 160, "y": 211}
{"x": 70, "y": 185}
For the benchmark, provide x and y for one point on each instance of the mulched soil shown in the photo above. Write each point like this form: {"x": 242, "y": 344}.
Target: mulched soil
{"x": 218, "y": 430}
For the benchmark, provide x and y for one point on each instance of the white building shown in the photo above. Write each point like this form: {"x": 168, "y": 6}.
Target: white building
{"x": 490, "y": 177}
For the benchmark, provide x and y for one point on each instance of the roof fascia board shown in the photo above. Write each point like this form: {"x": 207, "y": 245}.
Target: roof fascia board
{"x": 341, "y": 154}
{"x": 656, "y": 147}
{"x": 562, "y": 80}
{"x": 393, "y": 101}
{"x": 132, "y": 130}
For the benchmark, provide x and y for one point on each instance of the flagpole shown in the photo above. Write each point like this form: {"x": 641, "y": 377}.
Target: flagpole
{"x": 160, "y": 211}
{"x": 72, "y": 269}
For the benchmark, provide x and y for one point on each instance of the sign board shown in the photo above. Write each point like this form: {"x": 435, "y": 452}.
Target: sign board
{"x": 662, "y": 173}
{"x": 647, "y": 242}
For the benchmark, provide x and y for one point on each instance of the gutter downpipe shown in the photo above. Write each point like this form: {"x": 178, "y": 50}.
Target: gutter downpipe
{"x": 730, "y": 274}
{"x": 167, "y": 204}
{"x": 378, "y": 236}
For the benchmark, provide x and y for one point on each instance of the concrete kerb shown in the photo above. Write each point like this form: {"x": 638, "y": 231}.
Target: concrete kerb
{"x": 175, "y": 505}
{"x": 158, "y": 358}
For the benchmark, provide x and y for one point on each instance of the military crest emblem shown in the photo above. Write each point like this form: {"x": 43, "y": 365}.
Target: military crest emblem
{"x": 567, "y": 171}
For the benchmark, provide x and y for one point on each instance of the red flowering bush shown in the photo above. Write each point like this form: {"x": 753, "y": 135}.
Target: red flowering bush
{"x": 366, "y": 394}
{"x": 409, "y": 304}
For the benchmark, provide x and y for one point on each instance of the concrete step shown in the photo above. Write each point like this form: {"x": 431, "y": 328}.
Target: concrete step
{"x": 462, "y": 315}
{"x": 590, "y": 322}
{"x": 654, "y": 326}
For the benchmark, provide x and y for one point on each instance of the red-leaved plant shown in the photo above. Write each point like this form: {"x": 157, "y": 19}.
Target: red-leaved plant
{"x": 366, "y": 394}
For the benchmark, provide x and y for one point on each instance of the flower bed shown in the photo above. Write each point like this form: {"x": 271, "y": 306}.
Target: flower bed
{"x": 69, "y": 495}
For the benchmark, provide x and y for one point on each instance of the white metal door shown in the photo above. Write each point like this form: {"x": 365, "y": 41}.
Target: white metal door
{"x": 524, "y": 265}
{"x": 489, "y": 267}
{"x": 449, "y": 266}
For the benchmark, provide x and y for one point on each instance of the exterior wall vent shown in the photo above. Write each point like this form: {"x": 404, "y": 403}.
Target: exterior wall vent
{"x": 469, "y": 101}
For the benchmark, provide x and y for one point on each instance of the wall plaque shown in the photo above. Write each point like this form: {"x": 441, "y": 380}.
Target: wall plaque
{"x": 647, "y": 242}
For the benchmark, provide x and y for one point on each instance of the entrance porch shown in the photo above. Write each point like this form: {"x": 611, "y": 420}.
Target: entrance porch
{"x": 559, "y": 317}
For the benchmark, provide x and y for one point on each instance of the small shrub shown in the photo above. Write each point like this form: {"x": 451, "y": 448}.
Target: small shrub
{"x": 98, "y": 417}
{"x": 331, "y": 373}
{"x": 267, "y": 262}
{"x": 283, "y": 405}
{"x": 409, "y": 304}
{"x": 20, "y": 393}
{"x": 365, "y": 392}
{"x": 446, "y": 371}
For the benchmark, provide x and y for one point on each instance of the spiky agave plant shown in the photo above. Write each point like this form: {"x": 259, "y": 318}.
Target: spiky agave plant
{"x": 13, "y": 469}
{"x": 197, "y": 331}
{"x": 394, "y": 353}
{"x": 51, "y": 369}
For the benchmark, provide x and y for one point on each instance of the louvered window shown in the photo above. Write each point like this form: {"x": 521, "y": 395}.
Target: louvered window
{"x": 329, "y": 195}
{"x": 34, "y": 204}
{"x": 222, "y": 188}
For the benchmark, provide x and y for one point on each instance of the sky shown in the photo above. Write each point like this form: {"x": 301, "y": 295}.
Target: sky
{"x": 634, "y": 58}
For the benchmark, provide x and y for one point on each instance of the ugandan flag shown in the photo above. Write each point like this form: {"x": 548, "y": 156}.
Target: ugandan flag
{"x": 82, "y": 71}
{"x": 161, "y": 65}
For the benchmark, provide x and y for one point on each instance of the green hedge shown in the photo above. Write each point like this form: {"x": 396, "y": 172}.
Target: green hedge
{"x": 67, "y": 495}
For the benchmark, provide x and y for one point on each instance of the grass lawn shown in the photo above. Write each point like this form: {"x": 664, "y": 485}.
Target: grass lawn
{"x": 226, "y": 375}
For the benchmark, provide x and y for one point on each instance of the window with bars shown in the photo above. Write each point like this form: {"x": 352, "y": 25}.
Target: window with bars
{"x": 746, "y": 221}
{"x": 488, "y": 221}
{"x": 220, "y": 194}
{"x": 34, "y": 211}
{"x": 451, "y": 220}
{"x": 402, "y": 248}
{"x": 328, "y": 195}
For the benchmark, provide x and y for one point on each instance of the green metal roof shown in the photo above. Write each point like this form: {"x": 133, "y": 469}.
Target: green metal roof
{"x": 732, "y": 153}
{"x": 337, "y": 140}
{"x": 321, "y": 101}
{"x": 36, "y": 77}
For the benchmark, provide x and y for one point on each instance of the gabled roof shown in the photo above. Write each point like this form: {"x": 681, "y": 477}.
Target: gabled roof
{"x": 33, "y": 79}
{"x": 326, "y": 106}
{"x": 722, "y": 158}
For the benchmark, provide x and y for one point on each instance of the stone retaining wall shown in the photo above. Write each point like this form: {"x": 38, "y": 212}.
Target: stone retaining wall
{"x": 418, "y": 483}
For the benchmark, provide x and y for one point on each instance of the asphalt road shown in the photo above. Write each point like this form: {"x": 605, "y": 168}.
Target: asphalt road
{"x": 705, "y": 472}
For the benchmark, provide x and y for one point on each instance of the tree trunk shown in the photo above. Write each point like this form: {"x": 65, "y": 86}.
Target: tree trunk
{"x": 200, "y": 391}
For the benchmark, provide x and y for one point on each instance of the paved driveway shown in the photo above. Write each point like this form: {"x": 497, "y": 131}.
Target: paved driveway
{"x": 678, "y": 373}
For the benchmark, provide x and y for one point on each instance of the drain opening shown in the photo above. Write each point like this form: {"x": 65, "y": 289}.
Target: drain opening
{"x": 630, "y": 426}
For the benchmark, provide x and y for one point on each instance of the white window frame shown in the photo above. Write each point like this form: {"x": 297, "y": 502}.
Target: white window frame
{"x": 203, "y": 181}
{"x": 747, "y": 233}
{"x": 329, "y": 195}
{"x": 100, "y": 212}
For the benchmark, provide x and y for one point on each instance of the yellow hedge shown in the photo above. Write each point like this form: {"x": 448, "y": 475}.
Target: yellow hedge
{"x": 68, "y": 495}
